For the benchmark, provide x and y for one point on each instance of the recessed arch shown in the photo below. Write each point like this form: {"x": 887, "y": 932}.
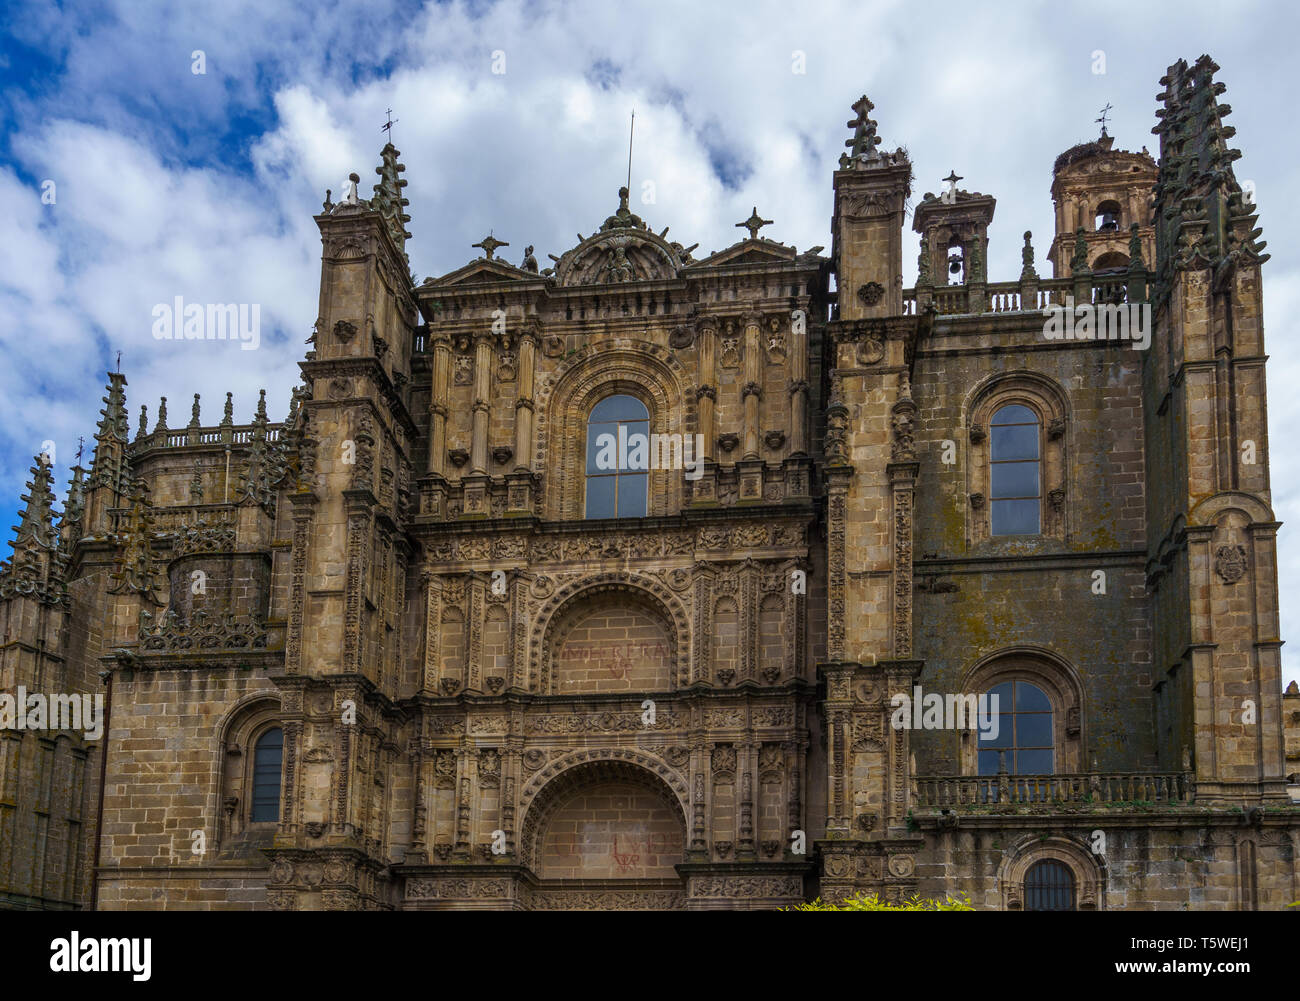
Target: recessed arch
{"x": 553, "y": 786}
{"x": 646, "y": 591}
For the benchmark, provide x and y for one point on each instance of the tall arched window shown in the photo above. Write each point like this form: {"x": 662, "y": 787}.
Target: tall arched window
{"x": 1049, "y": 886}
{"x": 1015, "y": 487}
{"x": 1025, "y": 735}
{"x": 267, "y": 756}
{"x": 618, "y": 458}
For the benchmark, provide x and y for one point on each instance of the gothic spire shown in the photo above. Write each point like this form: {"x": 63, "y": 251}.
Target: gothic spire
{"x": 36, "y": 520}
{"x": 388, "y": 200}
{"x": 109, "y": 467}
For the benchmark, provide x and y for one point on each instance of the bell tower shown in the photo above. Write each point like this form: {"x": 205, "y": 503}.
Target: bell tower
{"x": 1102, "y": 192}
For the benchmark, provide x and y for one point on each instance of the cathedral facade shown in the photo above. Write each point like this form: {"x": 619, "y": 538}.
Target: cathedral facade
{"x": 648, "y": 580}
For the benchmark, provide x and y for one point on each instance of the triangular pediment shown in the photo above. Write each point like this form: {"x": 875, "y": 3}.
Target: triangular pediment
{"x": 749, "y": 252}
{"x": 482, "y": 272}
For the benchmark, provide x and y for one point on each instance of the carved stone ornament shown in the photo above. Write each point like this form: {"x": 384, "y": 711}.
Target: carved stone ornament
{"x": 870, "y": 351}
{"x": 727, "y": 442}
{"x": 871, "y": 293}
{"x": 1230, "y": 563}
{"x": 681, "y": 336}
{"x": 977, "y": 501}
{"x": 977, "y": 433}
{"x": 345, "y": 330}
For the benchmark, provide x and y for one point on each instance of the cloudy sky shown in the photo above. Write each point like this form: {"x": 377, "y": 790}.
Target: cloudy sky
{"x": 168, "y": 181}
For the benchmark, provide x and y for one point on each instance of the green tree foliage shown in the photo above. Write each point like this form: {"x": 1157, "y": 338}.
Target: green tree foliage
{"x": 872, "y": 902}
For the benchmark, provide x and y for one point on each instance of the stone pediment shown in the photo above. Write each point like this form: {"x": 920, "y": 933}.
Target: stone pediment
{"x": 481, "y": 272}
{"x": 750, "y": 252}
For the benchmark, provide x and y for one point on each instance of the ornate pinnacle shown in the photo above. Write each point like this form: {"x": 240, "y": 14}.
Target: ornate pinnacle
{"x": 36, "y": 524}
{"x": 754, "y": 223}
{"x": 388, "y": 200}
{"x": 1079, "y": 262}
{"x": 1135, "y": 262}
{"x": 228, "y": 418}
{"x": 162, "y": 415}
{"x": 143, "y": 430}
{"x": 261, "y": 406}
{"x": 1027, "y": 272}
{"x": 113, "y": 421}
{"x": 864, "y": 142}
{"x": 194, "y": 412}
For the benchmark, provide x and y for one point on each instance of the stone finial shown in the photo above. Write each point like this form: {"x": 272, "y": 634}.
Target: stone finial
{"x": 327, "y": 204}
{"x": 161, "y": 424}
{"x": 862, "y": 145}
{"x": 261, "y": 407}
{"x": 194, "y": 413}
{"x": 1079, "y": 262}
{"x": 228, "y": 417}
{"x": 1027, "y": 272}
{"x": 1135, "y": 262}
{"x": 142, "y": 431}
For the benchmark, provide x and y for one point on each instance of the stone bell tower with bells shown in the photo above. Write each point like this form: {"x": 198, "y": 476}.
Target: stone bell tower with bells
{"x": 954, "y": 228}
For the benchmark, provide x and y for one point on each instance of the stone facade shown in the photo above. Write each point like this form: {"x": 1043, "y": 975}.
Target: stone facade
{"x": 471, "y": 694}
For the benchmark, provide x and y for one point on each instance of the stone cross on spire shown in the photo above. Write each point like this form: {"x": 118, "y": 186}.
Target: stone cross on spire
{"x": 754, "y": 223}
{"x": 490, "y": 244}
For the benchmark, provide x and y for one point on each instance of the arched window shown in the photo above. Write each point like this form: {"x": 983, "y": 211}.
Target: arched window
{"x": 1049, "y": 886}
{"x": 1024, "y": 737}
{"x": 267, "y": 756}
{"x": 618, "y": 458}
{"x": 1015, "y": 487}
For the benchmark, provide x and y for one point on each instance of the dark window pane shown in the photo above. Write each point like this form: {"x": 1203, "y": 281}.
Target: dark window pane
{"x": 989, "y": 763}
{"x": 1034, "y": 730}
{"x": 266, "y": 777}
{"x": 632, "y": 490}
{"x": 1034, "y": 762}
{"x": 1014, "y": 479}
{"x": 621, "y": 407}
{"x": 1049, "y": 886}
{"x": 1019, "y": 442}
{"x": 1015, "y": 414}
{"x": 1015, "y": 517}
{"x": 1031, "y": 697}
{"x": 1003, "y": 692}
{"x": 600, "y": 496}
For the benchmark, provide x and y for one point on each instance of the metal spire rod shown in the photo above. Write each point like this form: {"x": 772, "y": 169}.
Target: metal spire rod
{"x": 630, "y": 130}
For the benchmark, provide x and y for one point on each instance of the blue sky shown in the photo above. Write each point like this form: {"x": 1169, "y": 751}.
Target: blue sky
{"x": 173, "y": 182}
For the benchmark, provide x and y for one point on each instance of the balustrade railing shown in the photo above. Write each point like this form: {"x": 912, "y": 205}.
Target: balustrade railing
{"x": 1094, "y": 788}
